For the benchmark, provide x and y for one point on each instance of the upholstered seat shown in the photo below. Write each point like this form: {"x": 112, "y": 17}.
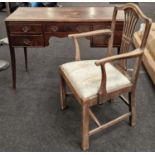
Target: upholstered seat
{"x": 85, "y": 77}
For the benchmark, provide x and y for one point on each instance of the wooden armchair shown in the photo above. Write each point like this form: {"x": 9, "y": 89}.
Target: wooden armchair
{"x": 96, "y": 81}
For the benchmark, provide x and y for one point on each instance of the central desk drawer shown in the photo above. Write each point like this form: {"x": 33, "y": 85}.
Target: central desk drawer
{"x": 36, "y": 40}
{"x": 25, "y": 28}
{"x": 66, "y": 27}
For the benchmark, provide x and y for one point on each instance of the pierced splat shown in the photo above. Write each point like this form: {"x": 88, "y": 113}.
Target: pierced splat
{"x": 130, "y": 22}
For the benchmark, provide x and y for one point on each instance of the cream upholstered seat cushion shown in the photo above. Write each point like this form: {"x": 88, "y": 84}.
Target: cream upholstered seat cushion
{"x": 85, "y": 77}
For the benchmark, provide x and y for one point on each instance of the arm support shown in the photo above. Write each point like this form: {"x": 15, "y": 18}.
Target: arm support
{"x": 133, "y": 54}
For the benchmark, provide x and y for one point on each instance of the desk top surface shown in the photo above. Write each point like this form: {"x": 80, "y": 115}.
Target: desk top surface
{"x": 64, "y": 14}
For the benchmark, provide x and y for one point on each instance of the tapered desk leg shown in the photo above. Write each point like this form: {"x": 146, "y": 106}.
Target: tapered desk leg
{"x": 26, "y": 61}
{"x": 13, "y": 66}
{"x": 118, "y": 50}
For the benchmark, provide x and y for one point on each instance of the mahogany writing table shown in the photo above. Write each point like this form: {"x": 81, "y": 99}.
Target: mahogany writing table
{"x": 32, "y": 27}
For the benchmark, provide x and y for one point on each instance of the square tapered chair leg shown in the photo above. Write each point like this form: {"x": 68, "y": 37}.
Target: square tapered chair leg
{"x": 85, "y": 127}
{"x": 62, "y": 94}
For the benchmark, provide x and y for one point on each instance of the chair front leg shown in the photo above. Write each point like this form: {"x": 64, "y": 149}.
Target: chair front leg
{"x": 132, "y": 108}
{"x": 62, "y": 93}
{"x": 85, "y": 127}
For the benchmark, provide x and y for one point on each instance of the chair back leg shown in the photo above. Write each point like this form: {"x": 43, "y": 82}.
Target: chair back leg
{"x": 132, "y": 108}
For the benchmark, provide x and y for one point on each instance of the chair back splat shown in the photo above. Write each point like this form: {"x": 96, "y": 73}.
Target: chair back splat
{"x": 132, "y": 14}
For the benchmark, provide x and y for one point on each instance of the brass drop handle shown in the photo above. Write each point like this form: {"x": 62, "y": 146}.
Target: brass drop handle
{"x": 54, "y": 28}
{"x": 27, "y": 41}
{"x": 108, "y": 27}
{"x": 25, "y": 29}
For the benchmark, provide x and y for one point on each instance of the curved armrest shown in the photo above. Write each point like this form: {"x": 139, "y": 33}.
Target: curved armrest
{"x": 131, "y": 54}
{"x": 86, "y": 34}
{"x": 90, "y": 33}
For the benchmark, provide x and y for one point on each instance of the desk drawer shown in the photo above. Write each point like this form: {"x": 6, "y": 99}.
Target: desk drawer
{"x": 36, "y": 40}
{"x": 25, "y": 28}
{"x": 101, "y": 40}
{"x": 107, "y": 25}
{"x": 66, "y": 27}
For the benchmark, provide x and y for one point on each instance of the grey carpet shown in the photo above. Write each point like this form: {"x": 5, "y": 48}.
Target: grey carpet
{"x": 31, "y": 119}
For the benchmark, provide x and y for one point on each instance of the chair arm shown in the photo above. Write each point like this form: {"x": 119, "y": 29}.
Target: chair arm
{"x": 90, "y": 33}
{"x": 131, "y": 54}
{"x": 102, "y": 62}
{"x": 86, "y": 34}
